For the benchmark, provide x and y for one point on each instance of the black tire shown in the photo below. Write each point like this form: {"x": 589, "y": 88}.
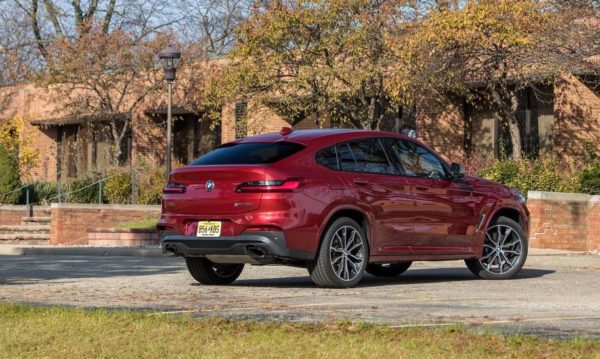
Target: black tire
{"x": 207, "y": 272}
{"x": 387, "y": 269}
{"x": 353, "y": 262}
{"x": 475, "y": 265}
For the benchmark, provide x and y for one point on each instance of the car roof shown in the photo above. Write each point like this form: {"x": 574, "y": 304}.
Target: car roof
{"x": 309, "y": 137}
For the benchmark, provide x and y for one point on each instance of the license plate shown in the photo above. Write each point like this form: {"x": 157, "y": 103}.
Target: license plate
{"x": 209, "y": 229}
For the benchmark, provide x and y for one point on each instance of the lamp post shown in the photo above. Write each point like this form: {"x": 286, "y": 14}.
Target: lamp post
{"x": 169, "y": 58}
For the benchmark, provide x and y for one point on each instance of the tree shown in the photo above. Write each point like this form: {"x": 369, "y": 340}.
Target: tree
{"x": 490, "y": 50}
{"x": 14, "y": 59}
{"x": 9, "y": 177}
{"x": 329, "y": 58}
{"x": 17, "y": 140}
{"x": 52, "y": 19}
{"x": 213, "y": 23}
{"x": 104, "y": 75}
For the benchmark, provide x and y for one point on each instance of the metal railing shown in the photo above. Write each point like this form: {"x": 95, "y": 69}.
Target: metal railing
{"x": 20, "y": 190}
{"x": 64, "y": 197}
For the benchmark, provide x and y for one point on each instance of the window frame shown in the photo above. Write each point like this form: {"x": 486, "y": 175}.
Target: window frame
{"x": 398, "y": 166}
{"x": 347, "y": 143}
{"x": 446, "y": 173}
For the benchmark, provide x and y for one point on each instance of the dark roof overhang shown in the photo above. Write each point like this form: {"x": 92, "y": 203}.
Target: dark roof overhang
{"x": 79, "y": 120}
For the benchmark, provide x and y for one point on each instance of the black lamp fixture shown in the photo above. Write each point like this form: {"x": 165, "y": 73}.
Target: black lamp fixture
{"x": 169, "y": 58}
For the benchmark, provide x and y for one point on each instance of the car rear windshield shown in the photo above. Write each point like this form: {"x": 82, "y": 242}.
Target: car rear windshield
{"x": 249, "y": 153}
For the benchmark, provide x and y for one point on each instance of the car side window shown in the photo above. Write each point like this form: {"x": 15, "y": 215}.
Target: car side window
{"x": 328, "y": 158}
{"x": 417, "y": 161}
{"x": 370, "y": 156}
{"x": 346, "y": 158}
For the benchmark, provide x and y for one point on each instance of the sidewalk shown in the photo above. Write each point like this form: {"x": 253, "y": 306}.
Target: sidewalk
{"x": 536, "y": 257}
{"x": 19, "y": 250}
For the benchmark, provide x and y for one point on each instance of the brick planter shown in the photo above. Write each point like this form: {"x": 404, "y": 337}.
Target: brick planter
{"x": 564, "y": 221}
{"x": 70, "y": 223}
{"x": 119, "y": 237}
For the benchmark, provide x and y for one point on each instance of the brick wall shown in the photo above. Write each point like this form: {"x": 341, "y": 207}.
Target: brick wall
{"x": 148, "y": 140}
{"x": 70, "y": 222}
{"x": 593, "y": 234}
{"x": 261, "y": 120}
{"x": 440, "y": 124}
{"x": 11, "y": 215}
{"x": 577, "y": 117}
{"x": 564, "y": 221}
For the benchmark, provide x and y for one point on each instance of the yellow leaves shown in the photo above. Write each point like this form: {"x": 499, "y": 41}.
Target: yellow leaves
{"x": 18, "y": 138}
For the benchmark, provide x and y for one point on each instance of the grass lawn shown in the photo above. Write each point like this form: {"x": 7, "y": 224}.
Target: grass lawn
{"x": 145, "y": 223}
{"x": 74, "y": 333}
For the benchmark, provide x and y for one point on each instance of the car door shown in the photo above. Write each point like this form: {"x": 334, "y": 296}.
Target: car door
{"x": 380, "y": 191}
{"x": 445, "y": 209}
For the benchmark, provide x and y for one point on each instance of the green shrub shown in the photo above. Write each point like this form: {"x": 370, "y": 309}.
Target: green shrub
{"x": 9, "y": 178}
{"x": 150, "y": 184}
{"x": 81, "y": 190}
{"x": 590, "y": 179}
{"x": 117, "y": 189}
{"x": 543, "y": 174}
{"x": 41, "y": 192}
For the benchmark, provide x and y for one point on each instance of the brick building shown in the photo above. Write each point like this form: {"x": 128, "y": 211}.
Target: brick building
{"x": 564, "y": 119}
{"x": 560, "y": 118}
{"x": 72, "y": 146}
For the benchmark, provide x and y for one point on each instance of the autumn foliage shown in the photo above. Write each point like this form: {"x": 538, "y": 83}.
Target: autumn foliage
{"x": 324, "y": 58}
{"x": 104, "y": 75}
{"x": 354, "y": 62}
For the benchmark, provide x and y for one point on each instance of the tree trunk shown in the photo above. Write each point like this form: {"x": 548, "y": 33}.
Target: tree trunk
{"x": 117, "y": 152}
{"x": 118, "y": 137}
{"x": 515, "y": 137}
{"x": 513, "y": 126}
{"x": 506, "y": 103}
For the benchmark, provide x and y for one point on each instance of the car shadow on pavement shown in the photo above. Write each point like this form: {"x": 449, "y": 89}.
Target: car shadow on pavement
{"x": 414, "y": 276}
{"x": 31, "y": 269}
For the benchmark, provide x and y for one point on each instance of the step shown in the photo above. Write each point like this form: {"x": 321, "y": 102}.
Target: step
{"x": 21, "y": 237}
{"x": 24, "y": 242}
{"x": 35, "y": 220}
{"x": 30, "y": 228}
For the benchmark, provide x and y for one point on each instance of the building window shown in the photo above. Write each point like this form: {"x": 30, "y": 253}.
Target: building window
{"x": 241, "y": 122}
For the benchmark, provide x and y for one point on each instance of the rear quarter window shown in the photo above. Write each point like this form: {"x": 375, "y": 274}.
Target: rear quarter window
{"x": 328, "y": 158}
{"x": 249, "y": 153}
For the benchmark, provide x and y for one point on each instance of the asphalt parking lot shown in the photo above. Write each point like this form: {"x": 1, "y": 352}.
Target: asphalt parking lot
{"x": 557, "y": 294}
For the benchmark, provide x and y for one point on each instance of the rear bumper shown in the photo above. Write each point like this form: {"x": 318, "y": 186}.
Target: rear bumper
{"x": 255, "y": 247}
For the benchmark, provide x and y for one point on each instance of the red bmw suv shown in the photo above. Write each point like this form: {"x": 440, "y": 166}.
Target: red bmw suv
{"x": 340, "y": 203}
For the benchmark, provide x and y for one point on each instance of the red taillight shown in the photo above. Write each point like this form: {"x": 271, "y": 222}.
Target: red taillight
{"x": 288, "y": 185}
{"x": 174, "y": 188}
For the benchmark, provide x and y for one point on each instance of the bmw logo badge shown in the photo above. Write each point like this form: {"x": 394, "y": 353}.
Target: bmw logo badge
{"x": 210, "y": 185}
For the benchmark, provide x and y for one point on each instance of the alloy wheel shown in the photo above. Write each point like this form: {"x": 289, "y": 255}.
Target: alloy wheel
{"x": 502, "y": 249}
{"x": 347, "y": 253}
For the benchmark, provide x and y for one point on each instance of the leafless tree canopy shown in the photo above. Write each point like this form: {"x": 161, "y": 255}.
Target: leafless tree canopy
{"x": 28, "y": 27}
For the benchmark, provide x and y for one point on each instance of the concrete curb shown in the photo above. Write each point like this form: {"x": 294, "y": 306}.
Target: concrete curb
{"x": 154, "y": 252}
{"x": 20, "y": 250}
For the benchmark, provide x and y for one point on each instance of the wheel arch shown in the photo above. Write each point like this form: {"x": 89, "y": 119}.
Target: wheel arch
{"x": 352, "y": 212}
{"x": 509, "y": 212}
{"x": 501, "y": 210}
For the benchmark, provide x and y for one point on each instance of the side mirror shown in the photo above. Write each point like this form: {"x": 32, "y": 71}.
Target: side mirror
{"x": 457, "y": 171}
